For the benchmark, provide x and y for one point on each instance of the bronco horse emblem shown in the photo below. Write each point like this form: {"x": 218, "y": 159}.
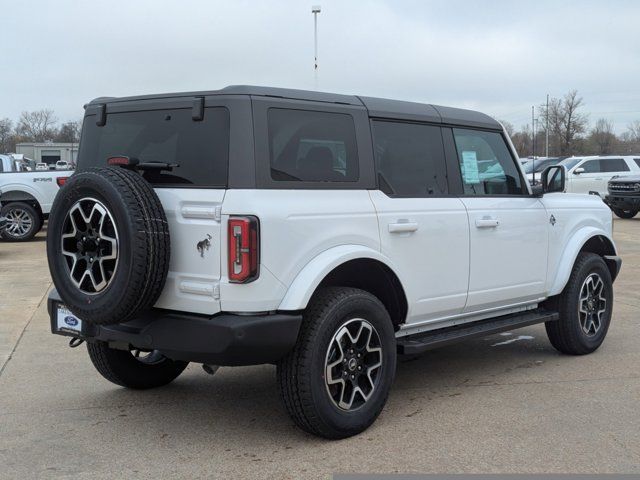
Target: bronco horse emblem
{"x": 203, "y": 245}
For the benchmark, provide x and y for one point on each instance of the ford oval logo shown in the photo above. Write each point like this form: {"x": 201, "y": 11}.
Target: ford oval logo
{"x": 71, "y": 321}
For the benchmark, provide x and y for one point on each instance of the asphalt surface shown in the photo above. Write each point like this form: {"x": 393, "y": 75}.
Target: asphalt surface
{"x": 504, "y": 403}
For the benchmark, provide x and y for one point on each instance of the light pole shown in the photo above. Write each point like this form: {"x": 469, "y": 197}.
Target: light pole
{"x": 546, "y": 128}
{"x": 315, "y": 10}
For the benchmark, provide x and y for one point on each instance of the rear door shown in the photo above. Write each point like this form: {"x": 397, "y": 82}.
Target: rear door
{"x": 191, "y": 191}
{"x": 508, "y": 227}
{"x": 423, "y": 229}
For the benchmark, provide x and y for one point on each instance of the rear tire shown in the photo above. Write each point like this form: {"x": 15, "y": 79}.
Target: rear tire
{"x": 123, "y": 368}
{"x": 585, "y": 307}
{"x": 625, "y": 213}
{"x": 351, "y": 330}
{"x": 24, "y": 222}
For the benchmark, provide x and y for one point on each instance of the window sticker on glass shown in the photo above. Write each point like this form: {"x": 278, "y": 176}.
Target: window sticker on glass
{"x": 470, "y": 167}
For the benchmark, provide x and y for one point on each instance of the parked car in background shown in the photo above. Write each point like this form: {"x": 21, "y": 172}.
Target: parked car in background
{"x": 624, "y": 195}
{"x": 592, "y": 174}
{"x": 62, "y": 165}
{"x": 40, "y": 167}
{"x": 534, "y": 168}
{"x": 26, "y": 200}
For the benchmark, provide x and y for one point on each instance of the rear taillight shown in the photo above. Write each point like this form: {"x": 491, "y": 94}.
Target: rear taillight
{"x": 244, "y": 249}
{"x": 61, "y": 181}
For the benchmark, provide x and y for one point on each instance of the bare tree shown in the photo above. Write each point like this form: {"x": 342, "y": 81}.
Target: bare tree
{"x": 508, "y": 127}
{"x": 602, "y": 140}
{"x": 633, "y": 129}
{"x": 522, "y": 141}
{"x": 37, "y": 126}
{"x": 7, "y": 140}
{"x": 69, "y": 132}
{"x": 566, "y": 123}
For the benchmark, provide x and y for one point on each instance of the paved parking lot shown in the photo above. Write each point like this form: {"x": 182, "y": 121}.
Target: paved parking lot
{"x": 504, "y": 403}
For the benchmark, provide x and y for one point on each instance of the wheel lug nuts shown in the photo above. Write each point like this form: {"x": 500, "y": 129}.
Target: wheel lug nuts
{"x": 353, "y": 377}
{"x": 359, "y": 367}
{"x": 359, "y": 355}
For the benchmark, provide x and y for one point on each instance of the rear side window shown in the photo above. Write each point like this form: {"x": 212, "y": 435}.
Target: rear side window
{"x": 310, "y": 146}
{"x": 486, "y": 165}
{"x": 200, "y": 150}
{"x": 410, "y": 159}
{"x": 614, "y": 165}
{"x": 605, "y": 165}
{"x": 637, "y": 160}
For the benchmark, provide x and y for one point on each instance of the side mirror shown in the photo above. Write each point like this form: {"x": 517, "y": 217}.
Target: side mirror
{"x": 578, "y": 171}
{"x": 553, "y": 179}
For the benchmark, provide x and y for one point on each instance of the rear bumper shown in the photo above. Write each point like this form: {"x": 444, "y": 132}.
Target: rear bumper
{"x": 623, "y": 202}
{"x": 223, "y": 339}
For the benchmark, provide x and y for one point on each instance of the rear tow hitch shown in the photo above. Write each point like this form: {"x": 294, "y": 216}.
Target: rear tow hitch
{"x": 75, "y": 342}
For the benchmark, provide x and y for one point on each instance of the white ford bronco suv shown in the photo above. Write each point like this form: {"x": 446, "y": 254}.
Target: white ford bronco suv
{"x": 323, "y": 233}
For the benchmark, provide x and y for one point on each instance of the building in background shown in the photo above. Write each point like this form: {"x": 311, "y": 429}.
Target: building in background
{"x": 48, "y": 152}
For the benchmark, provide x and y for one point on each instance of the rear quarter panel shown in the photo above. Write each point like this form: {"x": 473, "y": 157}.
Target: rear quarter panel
{"x": 295, "y": 227}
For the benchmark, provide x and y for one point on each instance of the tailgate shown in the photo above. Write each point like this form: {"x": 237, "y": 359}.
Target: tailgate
{"x": 193, "y": 282}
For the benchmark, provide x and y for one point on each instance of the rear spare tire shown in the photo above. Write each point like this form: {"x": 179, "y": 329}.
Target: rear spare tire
{"x": 108, "y": 245}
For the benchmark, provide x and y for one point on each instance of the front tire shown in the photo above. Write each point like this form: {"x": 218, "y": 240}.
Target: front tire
{"x": 134, "y": 369}
{"x": 625, "y": 213}
{"x": 336, "y": 380}
{"x": 585, "y": 307}
{"x": 24, "y": 222}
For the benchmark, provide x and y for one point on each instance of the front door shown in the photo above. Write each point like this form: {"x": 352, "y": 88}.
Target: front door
{"x": 508, "y": 227}
{"x": 423, "y": 229}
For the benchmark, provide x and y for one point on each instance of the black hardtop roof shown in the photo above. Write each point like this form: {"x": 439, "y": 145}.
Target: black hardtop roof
{"x": 377, "y": 107}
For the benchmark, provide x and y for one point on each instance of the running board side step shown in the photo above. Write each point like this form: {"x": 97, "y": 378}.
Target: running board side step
{"x": 415, "y": 344}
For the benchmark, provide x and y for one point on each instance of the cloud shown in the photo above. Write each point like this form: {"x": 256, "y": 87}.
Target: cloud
{"x": 498, "y": 57}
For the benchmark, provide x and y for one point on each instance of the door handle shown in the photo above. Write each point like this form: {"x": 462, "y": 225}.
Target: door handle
{"x": 599, "y": 178}
{"x": 487, "y": 222}
{"x": 403, "y": 227}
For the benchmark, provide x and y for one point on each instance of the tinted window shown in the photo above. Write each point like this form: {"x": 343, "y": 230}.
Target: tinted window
{"x": 485, "y": 162}
{"x": 410, "y": 159}
{"x": 605, "y": 165}
{"x": 312, "y": 146}
{"x": 614, "y": 165}
{"x": 637, "y": 160}
{"x": 591, "y": 166}
{"x": 199, "y": 149}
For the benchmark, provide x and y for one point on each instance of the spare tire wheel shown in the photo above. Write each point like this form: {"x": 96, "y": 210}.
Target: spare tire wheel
{"x": 108, "y": 245}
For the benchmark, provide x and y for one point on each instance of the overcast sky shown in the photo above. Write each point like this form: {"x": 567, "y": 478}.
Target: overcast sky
{"x": 500, "y": 57}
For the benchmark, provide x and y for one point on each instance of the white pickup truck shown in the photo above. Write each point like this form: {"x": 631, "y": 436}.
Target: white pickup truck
{"x": 26, "y": 199}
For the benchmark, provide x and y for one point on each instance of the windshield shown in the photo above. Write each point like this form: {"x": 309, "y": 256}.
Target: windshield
{"x": 570, "y": 162}
{"x": 536, "y": 166}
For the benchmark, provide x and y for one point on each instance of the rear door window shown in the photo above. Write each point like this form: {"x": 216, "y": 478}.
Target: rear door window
{"x": 198, "y": 149}
{"x": 310, "y": 146}
{"x": 614, "y": 165}
{"x": 605, "y": 165}
{"x": 410, "y": 159}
